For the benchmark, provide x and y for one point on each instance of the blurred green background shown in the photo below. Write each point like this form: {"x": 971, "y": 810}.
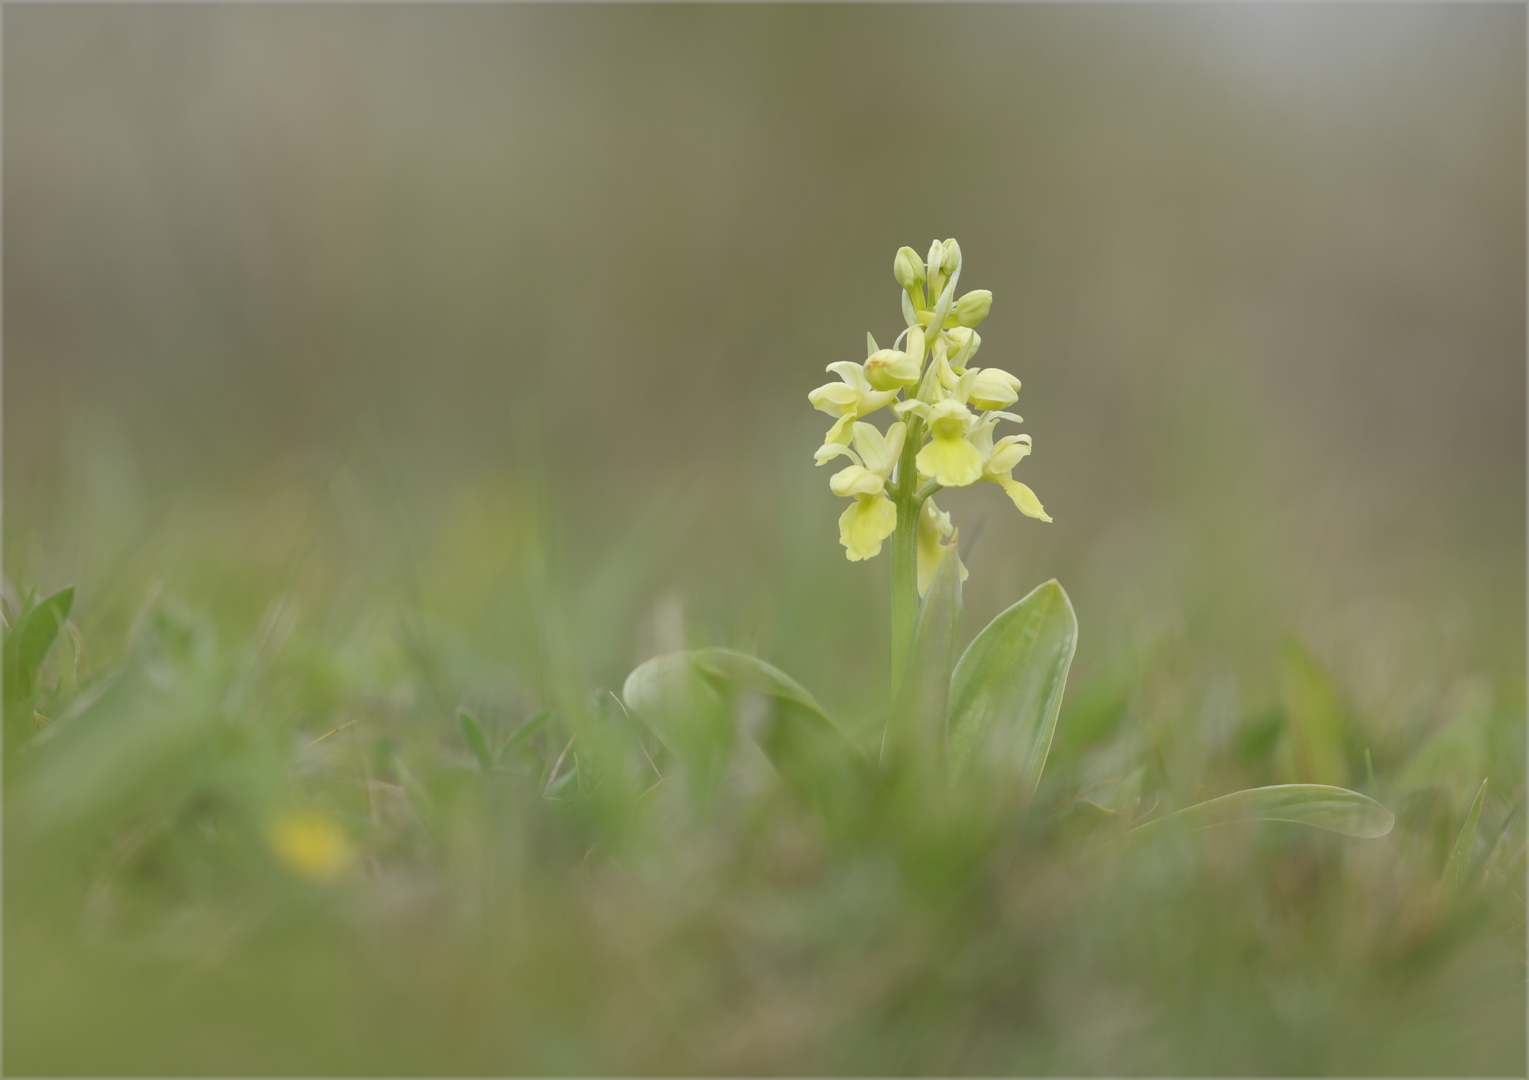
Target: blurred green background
{"x": 461, "y": 353}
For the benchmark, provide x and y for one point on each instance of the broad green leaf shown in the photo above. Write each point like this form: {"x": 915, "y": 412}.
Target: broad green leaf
{"x": 690, "y": 715}
{"x": 697, "y": 702}
{"x": 473, "y": 732}
{"x": 1007, "y": 689}
{"x": 1459, "y": 864}
{"x": 796, "y": 735}
{"x": 916, "y": 725}
{"x": 1315, "y": 720}
{"x": 1333, "y": 808}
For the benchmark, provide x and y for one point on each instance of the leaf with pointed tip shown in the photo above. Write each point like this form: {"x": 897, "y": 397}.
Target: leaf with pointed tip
{"x": 916, "y": 726}
{"x": 418, "y": 798}
{"x": 36, "y": 634}
{"x": 1007, "y": 689}
{"x": 526, "y": 730}
{"x": 473, "y": 732}
{"x": 1321, "y": 805}
{"x": 1459, "y": 864}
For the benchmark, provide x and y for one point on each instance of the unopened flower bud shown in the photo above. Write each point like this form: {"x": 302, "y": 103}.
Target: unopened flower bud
{"x": 916, "y": 346}
{"x": 973, "y": 307}
{"x": 936, "y": 259}
{"x": 888, "y": 370}
{"x": 908, "y": 269}
{"x": 952, "y": 256}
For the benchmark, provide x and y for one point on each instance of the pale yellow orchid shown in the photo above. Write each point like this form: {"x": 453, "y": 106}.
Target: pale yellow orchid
{"x": 999, "y": 459}
{"x": 934, "y": 530}
{"x": 982, "y": 388}
{"x": 849, "y": 399}
{"x": 961, "y": 344}
{"x": 947, "y": 457}
{"x": 927, "y": 374}
{"x": 990, "y": 388}
{"x": 872, "y": 517}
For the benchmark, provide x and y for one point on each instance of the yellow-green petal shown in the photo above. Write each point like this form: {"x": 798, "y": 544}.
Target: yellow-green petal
{"x": 834, "y": 398}
{"x": 953, "y": 462}
{"x": 828, "y": 451}
{"x": 993, "y": 388}
{"x": 839, "y": 433}
{"x": 1008, "y": 453}
{"x": 869, "y": 520}
{"x": 1025, "y": 499}
{"x": 889, "y": 369}
{"x": 933, "y": 526}
{"x": 856, "y": 480}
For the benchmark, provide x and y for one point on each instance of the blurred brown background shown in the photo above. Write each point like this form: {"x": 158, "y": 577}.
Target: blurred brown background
{"x": 1260, "y": 268}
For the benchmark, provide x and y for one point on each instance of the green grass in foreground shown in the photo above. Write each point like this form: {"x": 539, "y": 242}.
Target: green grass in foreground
{"x": 537, "y": 890}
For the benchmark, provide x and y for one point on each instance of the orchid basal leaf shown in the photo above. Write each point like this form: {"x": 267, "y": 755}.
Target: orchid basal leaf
{"x": 698, "y": 702}
{"x": 1007, "y": 689}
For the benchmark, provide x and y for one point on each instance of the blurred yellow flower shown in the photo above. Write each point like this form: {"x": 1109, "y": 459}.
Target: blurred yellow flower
{"x": 311, "y": 844}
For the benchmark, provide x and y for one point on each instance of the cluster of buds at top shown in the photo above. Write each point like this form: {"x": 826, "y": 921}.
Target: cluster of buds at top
{"x": 929, "y": 381}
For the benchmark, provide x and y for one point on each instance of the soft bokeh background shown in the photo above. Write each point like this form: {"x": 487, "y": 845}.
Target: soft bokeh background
{"x": 458, "y": 303}
{"x": 1260, "y": 269}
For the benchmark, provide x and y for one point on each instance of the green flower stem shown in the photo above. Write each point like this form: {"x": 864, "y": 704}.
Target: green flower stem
{"x": 909, "y": 501}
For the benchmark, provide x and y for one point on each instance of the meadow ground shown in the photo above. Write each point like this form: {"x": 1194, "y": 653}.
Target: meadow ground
{"x": 562, "y": 911}
{"x": 366, "y": 365}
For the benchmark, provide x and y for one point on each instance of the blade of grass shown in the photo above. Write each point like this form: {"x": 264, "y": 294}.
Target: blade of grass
{"x": 472, "y": 731}
{"x": 1459, "y": 864}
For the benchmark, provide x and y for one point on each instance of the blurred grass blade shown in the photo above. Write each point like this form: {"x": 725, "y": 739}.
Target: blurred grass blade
{"x": 1007, "y": 690}
{"x": 473, "y": 731}
{"x": 916, "y": 726}
{"x": 419, "y": 798}
{"x": 524, "y": 732}
{"x": 1459, "y": 864}
{"x": 1333, "y": 808}
{"x": 36, "y": 630}
{"x": 1314, "y": 718}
